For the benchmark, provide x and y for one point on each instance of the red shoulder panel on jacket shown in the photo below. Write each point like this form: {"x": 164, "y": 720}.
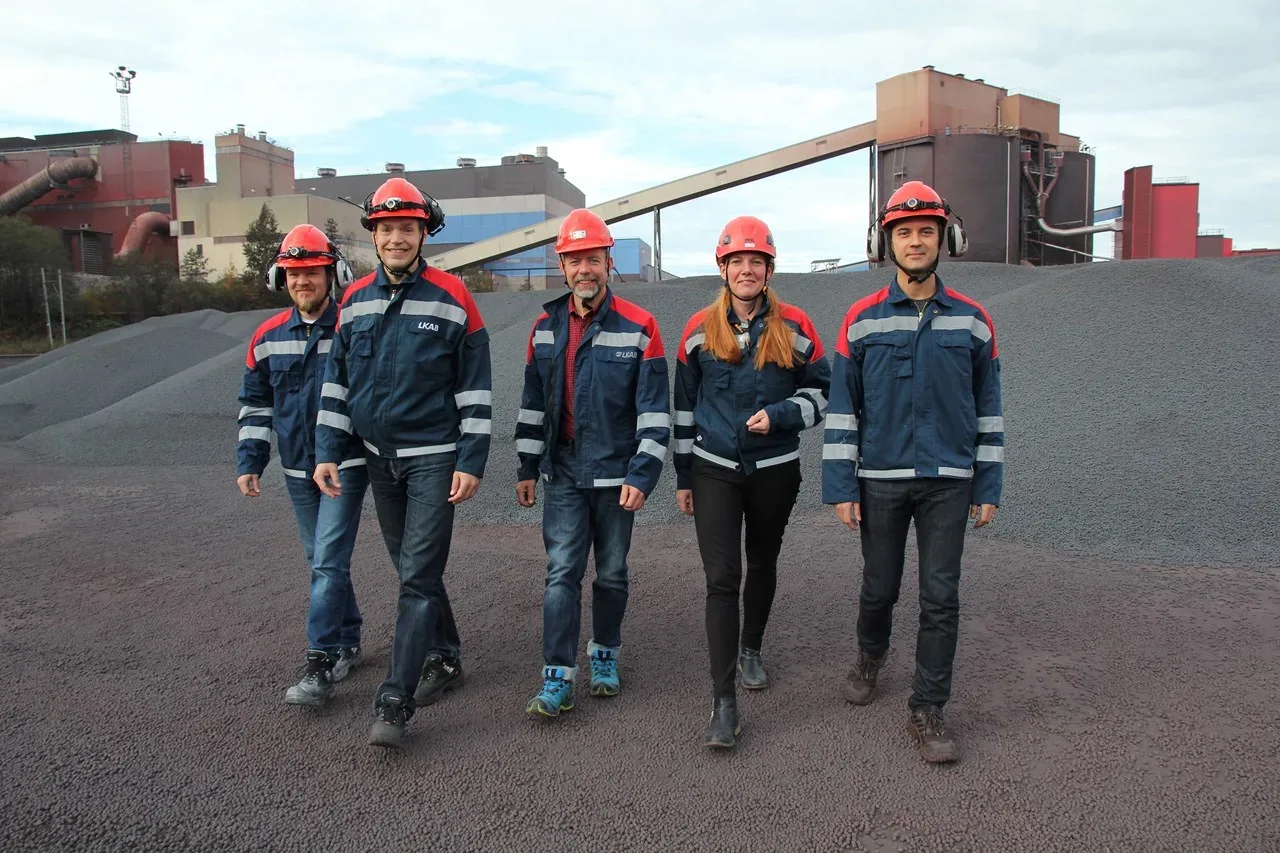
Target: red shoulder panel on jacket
{"x": 455, "y": 287}
{"x": 801, "y": 319}
{"x": 275, "y": 321}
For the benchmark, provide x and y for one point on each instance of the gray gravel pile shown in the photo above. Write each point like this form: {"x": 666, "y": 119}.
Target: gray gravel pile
{"x": 186, "y": 419}
{"x": 94, "y": 373}
{"x": 1139, "y": 402}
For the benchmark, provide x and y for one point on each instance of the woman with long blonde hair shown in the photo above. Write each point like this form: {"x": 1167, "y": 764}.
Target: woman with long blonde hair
{"x": 750, "y": 375}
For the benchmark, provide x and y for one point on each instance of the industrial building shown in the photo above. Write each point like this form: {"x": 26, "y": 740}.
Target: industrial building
{"x": 95, "y": 186}
{"x": 253, "y": 169}
{"x": 1023, "y": 188}
{"x": 1161, "y": 219}
{"x": 480, "y": 202}
{"x": 103, "y": 190}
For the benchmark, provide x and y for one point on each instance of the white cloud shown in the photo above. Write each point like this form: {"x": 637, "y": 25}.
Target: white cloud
{"x": 462, "y": 128}
{"x": 631, "y": 95}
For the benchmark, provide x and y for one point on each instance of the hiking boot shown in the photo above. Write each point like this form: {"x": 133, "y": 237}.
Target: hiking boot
{"x": 604, "y": 669}
{"x": 316, "y": 685}
{"x": 725, "y": 725}
{"x": 556, "y": 694}
{"x": 752, "y": 668}
{"x": 348, "y": 659}
{"x": 861, "y": 683}
{"x": 927, "y": 726}
{"x": 438, "y": 677}
{"x": 391, "y": 715}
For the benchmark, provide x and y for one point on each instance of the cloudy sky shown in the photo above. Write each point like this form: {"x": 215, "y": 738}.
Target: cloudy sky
{"x": 629, "y": 94}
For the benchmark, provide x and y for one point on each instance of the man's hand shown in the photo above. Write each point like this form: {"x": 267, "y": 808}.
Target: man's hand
{"x": 985, "y": 513}
{"x": 684, "y": 500}
{"x": 632, "y": 498}
{"x": 527, "y": 492}
{"x": 464, "y": 487}
{"x": 759, "y": 422}
{"x": 248, "y": 484}
{"x": 326, "y": 477}
{"x": 850, "y": 514}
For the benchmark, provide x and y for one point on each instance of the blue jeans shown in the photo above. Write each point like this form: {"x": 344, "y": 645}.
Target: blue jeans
{"x": 940, "y": 508}
{"x": 574, "y": 520}
{"x": 327, "y": 528}
{"x": 412, "y": 499}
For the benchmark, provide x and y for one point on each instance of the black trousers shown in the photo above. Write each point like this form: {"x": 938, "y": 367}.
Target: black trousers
{"x": 722, "y": 500}
{"x": 940, "y": 509}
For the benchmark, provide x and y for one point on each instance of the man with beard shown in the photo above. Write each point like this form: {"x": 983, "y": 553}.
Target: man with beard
{"x": 914, "y": 431}
{"x": 595, "y": 422}
{"x": 410, "y": 375}
{"x": 280, "y": 392}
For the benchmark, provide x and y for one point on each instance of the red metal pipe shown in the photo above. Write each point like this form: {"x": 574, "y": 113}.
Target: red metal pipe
{"x": 141, "y": 229}
{"x": 56, "y": 173}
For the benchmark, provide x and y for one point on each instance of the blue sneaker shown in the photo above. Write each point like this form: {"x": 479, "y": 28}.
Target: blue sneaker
{"x": 556, "y": 694}
{"x": 604, "y": 669}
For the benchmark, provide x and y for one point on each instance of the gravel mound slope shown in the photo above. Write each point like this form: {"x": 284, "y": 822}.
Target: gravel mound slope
{"x": 1139, "y": 402}
{"x": 94, "y": 373}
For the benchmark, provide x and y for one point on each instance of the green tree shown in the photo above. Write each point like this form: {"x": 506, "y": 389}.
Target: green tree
{"x": 332, "y": 231}
{"x": 477, "y": 279}
{"x": 25, "y": 250}
{"x": 140, "y": 287}
{"x": 261, "y": 242}
{"x": 195, "y": 266}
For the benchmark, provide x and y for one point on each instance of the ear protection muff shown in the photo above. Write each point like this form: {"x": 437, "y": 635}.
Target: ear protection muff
{"x": 343, "y": 274}
{"x": 435, "y": 216}
{"x": 876, "y": 241}
{"x": 957, "y": 239}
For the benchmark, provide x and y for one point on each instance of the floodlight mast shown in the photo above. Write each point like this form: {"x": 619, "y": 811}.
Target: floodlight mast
{"x": 124, "y": 85}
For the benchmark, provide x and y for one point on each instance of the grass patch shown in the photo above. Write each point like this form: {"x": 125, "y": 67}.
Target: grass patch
{"x": 25, "y": 346}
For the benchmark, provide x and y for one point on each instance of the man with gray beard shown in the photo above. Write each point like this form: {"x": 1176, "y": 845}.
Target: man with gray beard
{"x": 595, "y": 422}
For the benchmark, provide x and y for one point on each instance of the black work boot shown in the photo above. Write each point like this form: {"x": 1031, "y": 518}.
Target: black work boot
{"x": 391, "y": 715}
{"x": 438, "y": 677}
{"x": 861, "y": 683}
{"x": 752, "y": 668}
{"x": 316, "y": 684}
{"x": 927, "y": 726}
{"x": 725, "y": 726}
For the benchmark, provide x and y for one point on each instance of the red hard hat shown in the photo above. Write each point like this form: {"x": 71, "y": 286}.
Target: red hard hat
{"x": 745, "y": 234}
{"x": 582, "y": 229}
{"x": 395, "y": 198}
{"x": 914, "y": 198}
{"x": 306, "y": 246}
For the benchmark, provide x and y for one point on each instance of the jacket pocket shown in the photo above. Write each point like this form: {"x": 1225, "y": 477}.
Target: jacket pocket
{"x": 886, "y": 365}
{"x": 953, "y": 359}
{"x": 286, "y": 374}
{"x": 614, "y": 376}
{"x": 431, "y": 346}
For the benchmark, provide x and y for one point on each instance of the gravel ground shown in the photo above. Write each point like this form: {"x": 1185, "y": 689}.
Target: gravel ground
{"x": 149, "y": 625}
{"x": 1139, "y": 420}
{"x": 1119, "y": 648}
